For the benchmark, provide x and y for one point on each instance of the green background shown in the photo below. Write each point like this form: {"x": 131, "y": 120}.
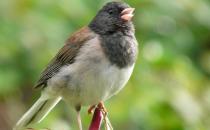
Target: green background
{"x": 170, "y": 86}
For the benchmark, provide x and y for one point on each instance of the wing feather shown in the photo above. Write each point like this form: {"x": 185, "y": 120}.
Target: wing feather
{"x": 65, "y": 56}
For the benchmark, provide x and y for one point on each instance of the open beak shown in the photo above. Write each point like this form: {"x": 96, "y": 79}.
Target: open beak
{"x": 127, "y": 14}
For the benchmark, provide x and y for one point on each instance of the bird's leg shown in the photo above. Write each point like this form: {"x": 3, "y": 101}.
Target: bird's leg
{"x": 91, "y": 109}
{"x": 79, "y": 121}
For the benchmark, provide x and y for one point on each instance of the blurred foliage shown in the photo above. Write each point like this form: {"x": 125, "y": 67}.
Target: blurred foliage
{"x": 170, "y": 86}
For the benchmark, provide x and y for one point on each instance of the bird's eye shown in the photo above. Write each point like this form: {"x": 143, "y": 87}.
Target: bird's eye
{"x": 110, "y": 11}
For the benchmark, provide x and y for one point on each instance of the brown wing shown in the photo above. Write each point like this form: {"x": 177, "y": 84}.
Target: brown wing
{"x": 66, "y": 55}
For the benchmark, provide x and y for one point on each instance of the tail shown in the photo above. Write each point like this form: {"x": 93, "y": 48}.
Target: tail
{"x": 37, "y": 112}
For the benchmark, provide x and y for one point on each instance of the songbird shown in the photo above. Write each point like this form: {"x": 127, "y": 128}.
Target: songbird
{"x": 94, "y": 64}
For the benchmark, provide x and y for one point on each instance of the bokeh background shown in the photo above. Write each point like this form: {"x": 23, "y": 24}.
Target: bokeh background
{"x": 170, "y": 86}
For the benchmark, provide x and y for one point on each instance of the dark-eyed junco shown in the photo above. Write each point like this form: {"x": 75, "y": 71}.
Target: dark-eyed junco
{"x": 95, "y": 63}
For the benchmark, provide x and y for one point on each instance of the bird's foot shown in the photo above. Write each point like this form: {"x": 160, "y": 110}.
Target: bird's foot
{"x": 100, "y": 113}
{"x": 102, "y": 109}
{"x": 100, "y": 106}
{"x": 91, "y": 109}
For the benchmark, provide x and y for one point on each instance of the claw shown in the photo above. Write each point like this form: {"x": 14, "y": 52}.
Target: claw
{"x": 100, "y": 113}
{"x": 102, "y": 108}
{"x": 91, "y": 109}
{"x": 108, "y": 125}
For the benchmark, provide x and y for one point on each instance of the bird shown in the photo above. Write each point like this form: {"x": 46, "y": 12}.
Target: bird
{"x": 94, "y": 64}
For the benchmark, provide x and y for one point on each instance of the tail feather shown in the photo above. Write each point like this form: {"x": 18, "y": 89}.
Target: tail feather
{"x": 37, "y": 112}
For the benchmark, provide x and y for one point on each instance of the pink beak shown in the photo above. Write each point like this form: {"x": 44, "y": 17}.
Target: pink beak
{"x": 127, "y": 14}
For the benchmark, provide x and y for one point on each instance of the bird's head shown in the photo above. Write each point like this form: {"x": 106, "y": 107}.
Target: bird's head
{"x": 114, "y": 16}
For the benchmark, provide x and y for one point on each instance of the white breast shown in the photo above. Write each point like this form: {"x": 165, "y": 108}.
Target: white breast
{"x": 91, "y": 78}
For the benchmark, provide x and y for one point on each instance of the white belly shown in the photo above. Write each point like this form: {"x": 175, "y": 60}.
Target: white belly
{"x": 91, "y": 78}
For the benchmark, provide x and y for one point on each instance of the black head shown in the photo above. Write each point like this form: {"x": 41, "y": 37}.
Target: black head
{"x": 114, "y": 16}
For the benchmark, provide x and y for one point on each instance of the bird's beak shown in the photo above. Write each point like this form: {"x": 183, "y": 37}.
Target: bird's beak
{"x": 127, "y": 14}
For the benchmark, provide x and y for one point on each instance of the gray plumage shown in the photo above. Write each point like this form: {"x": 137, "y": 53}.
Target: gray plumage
{"x": 65, "y": 56}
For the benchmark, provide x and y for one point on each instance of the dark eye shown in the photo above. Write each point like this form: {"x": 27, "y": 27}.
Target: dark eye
{"x": 111, "y": 11}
